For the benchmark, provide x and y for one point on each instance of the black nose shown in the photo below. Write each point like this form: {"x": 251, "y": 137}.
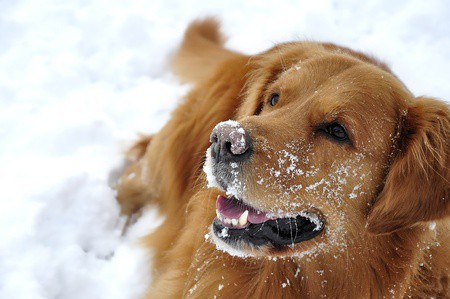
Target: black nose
{"x": 230, "y": 142}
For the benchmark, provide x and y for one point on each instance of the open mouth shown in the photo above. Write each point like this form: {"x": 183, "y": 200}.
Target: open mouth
{"x": 237, "y": 222}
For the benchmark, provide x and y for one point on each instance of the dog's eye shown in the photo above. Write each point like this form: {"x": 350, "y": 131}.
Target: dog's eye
{"x": 337, "y": 132}
{"x": 274, "y": 99}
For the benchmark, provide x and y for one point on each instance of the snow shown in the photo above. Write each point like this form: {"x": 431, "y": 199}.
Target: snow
{"x": 208, "y": 170}
{"x": 236, "y": 137}
{"x": 230, "y": 123}
{"x": 79, "y": 80}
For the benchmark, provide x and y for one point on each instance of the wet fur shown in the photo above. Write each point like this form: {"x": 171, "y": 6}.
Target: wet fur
{"x": 391, "y": 252}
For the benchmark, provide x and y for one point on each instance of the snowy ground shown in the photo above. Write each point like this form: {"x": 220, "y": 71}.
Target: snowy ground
{"x": 79, "y": 79}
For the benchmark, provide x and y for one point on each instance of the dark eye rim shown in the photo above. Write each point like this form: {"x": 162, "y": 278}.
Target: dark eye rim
{"x": 335, "y": 131}
{"x": 273, "y": 99}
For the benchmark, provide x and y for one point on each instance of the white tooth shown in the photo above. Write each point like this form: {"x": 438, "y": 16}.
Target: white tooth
{"x": 227, "y": 221}
{"x": 243, "y": 218}
{"x": 217, "y": 213}
{"x": 234, "y": 222}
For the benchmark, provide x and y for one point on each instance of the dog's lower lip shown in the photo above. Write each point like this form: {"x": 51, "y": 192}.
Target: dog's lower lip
{"x": 278, "y": 233}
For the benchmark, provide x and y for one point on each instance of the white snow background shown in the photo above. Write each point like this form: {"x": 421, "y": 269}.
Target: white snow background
{"x": 79, "y": 79}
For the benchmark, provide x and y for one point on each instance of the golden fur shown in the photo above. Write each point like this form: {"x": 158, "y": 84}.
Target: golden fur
{"x": 385, "y": 195}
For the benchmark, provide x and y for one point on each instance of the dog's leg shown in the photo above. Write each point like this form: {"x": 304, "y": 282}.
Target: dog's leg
{"x": 132, "y": 192}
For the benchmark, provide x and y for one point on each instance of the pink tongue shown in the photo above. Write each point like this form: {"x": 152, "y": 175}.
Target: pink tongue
{"x": 233, "y": 209}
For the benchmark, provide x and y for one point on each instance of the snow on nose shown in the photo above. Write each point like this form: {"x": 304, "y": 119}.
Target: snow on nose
{"x": 229, "y": 139}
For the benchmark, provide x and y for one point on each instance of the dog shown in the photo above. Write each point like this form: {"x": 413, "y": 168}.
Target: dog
{"x": 323, "y": 177}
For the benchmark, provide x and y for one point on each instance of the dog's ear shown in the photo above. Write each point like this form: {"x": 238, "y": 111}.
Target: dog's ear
{"x": 418, "y": 182}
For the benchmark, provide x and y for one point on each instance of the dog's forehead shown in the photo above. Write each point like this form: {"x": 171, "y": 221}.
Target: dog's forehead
{"x": 339, "y": 71}
{"x": 336, "y": 84}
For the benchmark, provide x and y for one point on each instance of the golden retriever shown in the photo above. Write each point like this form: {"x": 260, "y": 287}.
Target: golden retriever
{"x": 323, "y": 177}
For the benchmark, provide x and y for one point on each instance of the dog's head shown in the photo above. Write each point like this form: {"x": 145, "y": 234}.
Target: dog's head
{"x": 327, "y": 146}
